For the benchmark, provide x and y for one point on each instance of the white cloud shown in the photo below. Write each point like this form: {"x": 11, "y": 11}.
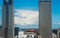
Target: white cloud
{"x": 26, "y": 17}
{"x": 57, "y": 23}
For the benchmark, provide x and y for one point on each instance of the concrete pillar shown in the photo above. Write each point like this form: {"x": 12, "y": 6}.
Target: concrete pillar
{"x": 45, "y": 19}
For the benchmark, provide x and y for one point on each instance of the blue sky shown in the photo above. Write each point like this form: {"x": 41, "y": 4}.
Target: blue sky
{"x": 26, "y": 4}
{"x": 56, "y": 13}
{"x": 32, "y": 6}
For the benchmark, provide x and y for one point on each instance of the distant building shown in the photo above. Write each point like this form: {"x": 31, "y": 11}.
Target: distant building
{"x": 31, "y": 33}
{"x": 0, "y": 27}
{"x": 16, "y": 31}
{"x": 58, "y": 33}
{"x": 23, "y": 34}
{"x": 54, "y": 33}
{"x": 0, "y": 31}
{"x": 27, "y": 34}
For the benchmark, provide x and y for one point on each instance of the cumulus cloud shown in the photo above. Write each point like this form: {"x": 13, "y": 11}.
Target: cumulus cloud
{"x": 57, "y": 23}
{"x": 26, "y": 17}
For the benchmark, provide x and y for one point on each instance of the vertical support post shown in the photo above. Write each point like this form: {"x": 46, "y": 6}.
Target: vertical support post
{"x": 45, "y": 19}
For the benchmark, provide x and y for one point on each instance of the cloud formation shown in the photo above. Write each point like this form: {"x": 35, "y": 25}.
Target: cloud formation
{"x": 58, "y": 23}
{"x": 26, "y": 17}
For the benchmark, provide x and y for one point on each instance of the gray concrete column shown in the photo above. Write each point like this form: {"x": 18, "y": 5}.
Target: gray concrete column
{"x": 45, "y": 20}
